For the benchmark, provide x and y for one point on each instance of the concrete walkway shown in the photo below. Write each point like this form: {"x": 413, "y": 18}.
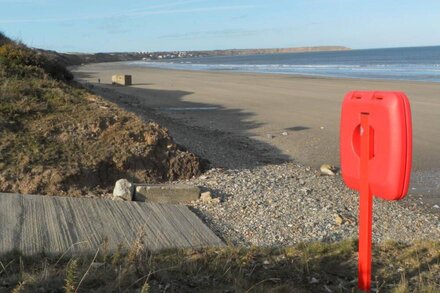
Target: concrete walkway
{"x": 34, "y": 224}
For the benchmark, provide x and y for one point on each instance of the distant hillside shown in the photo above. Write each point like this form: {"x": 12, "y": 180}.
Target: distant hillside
{"x": 68, "y": 59}
{"x": 272, "y": 51}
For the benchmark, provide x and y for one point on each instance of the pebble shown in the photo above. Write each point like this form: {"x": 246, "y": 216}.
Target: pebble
{"x": 206, "y": 197}
{"x": 327, "y": 169}
{"x": 286, "y": 204}
{"x": 215, "y": 201}
{"x": 338, "y": 220}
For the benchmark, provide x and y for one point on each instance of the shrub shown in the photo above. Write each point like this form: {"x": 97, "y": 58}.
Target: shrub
{"x": 4, "y": 39}
{"x": 21, "y": 61}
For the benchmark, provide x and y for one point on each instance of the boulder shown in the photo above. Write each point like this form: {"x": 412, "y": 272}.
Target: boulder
{"x": 124, "y": 189}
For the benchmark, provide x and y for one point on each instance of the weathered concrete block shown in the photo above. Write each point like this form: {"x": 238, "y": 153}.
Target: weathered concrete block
{"x": 166, "y": 193}
{"x": 121, "y": 79}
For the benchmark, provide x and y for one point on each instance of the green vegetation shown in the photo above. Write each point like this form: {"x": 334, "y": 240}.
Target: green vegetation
{"x": 19, "y": 61}
{"x": 315, "y": 267}
{"x": 57, "y": 138}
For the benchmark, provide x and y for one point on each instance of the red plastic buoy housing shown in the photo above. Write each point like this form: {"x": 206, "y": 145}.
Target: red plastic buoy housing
{"x": 389, "y": 118}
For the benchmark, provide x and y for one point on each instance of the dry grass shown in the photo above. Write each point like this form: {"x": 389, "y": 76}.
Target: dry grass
{"x": 313, "y": 267}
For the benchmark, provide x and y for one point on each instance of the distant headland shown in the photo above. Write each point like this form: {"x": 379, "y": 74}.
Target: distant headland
{"x": 82, "y": 58}
{"x": 269, "y": 51}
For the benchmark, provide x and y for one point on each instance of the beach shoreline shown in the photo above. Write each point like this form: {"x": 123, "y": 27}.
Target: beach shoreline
{"x": 281, "y": 117}
{"x": 134, "y": 64}
{"x": 138, "y": 64}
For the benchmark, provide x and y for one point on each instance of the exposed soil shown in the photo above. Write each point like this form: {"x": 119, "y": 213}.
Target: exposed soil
{"x": 59, "y": 139}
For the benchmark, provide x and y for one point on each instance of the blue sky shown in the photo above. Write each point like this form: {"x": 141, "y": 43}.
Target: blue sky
{"x": 109, "y": 25}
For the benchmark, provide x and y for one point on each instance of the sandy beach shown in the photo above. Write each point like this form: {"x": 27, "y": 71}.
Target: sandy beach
{"x": 283, "y": 117}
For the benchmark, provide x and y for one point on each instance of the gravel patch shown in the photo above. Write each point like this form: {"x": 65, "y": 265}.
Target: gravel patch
{"x": 286, "y": 204}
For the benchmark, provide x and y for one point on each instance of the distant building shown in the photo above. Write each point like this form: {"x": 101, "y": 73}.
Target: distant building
{"x": 121, "y": 79}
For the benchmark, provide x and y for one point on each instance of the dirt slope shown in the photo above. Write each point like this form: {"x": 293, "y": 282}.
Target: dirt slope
{"x": 57, "y": 138}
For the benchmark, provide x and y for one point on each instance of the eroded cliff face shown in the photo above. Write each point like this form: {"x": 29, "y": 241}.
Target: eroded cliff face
{"x": 59, "y": 139}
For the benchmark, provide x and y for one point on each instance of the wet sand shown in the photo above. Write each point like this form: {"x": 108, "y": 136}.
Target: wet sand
{"x": 262, "y": 107}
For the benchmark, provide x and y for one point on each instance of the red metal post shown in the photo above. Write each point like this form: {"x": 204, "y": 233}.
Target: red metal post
{"x": 365, "y": 209}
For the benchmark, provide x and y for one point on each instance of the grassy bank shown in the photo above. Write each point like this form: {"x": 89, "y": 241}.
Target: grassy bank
{"x": 58, "y": 138}
{"x": 315, "y": 267}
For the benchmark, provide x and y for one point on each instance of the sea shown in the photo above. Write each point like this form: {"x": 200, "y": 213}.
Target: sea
{"x": 412, "y": 63}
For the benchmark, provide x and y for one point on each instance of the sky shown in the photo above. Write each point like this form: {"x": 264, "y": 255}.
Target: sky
{"x": 168, "y": 25}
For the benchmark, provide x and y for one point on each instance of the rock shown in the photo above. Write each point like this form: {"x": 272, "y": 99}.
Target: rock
{"x": 215, "y": 201}
{"x": 306, "y": 190}
{"x": 206, "y": 197}
{"x": 338, "y": 220}
{"x": 327, "y": 169}
{"x": 123, "y": 190}
{"x": 436, "y": 206}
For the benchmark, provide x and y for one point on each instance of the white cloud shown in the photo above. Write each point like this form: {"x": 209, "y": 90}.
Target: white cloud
{"x": 134, "y": 13}
{"x": 171, "y": 4}
{"x": 217, "y": 33}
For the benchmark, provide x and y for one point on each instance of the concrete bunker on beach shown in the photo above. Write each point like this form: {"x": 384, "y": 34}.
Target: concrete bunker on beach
{"x": 121, "y": 79}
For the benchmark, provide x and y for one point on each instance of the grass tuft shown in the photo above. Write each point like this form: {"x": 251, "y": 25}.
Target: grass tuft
{"x": 70, "y": 281}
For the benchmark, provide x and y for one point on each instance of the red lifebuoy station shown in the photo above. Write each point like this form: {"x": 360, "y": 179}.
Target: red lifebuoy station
{"x": 376, "y": 155}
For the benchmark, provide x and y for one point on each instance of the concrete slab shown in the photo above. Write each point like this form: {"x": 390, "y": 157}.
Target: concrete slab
{"x": 36, "y": 224}
{"x": 166, "y": 193}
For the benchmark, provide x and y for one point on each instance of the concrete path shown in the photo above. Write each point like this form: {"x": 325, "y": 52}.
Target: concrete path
{"x": 34, "y": 224}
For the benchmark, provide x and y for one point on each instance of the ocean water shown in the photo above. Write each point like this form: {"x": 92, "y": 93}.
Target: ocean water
{"x": 416, "y": 63}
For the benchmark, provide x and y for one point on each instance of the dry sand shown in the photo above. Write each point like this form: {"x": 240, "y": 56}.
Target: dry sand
{"x": 260, "y": 107}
